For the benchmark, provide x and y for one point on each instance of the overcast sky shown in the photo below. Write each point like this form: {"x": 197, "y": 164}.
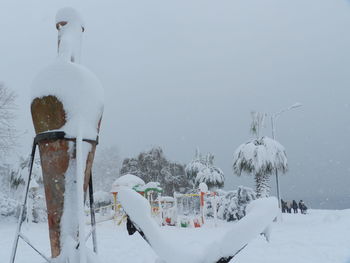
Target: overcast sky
{"x": 184, "y": 74}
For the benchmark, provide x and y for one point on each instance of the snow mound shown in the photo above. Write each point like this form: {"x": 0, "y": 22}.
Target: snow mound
{"x": 80, "y": 92}
{"x": 260, "y": 214}
{"x": 127, "y": 180}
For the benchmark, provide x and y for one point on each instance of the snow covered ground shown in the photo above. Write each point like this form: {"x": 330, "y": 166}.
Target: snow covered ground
{"x": 322, "y": 236}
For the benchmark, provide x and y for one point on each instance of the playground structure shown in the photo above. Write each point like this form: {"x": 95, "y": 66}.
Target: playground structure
{"x": 190, "y": 209}
{"x": 127, "y": 180}
{"x": 183, "y": 210}
{"x": 150, "y": 191}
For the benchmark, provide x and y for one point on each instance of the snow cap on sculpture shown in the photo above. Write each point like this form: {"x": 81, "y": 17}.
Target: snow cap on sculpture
{"x": 79, "y": 92}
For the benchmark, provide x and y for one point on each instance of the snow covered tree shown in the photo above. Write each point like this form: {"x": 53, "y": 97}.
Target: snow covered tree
{"x": 20, "y": 174}
{"x": 260, "y": 156}
{"x": 153, "y": 166}
{"x": 202, "y": 170}
{"x": 106, "y": 168}
{"x": 7, "y": 129}
{"x": 232, "y": 204}
{"x": 194, "y": 167}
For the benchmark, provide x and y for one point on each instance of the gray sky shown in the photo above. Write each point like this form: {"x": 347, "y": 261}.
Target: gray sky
{"x": 185, "y": 74}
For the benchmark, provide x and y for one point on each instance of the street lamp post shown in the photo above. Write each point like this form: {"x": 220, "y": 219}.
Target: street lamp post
{"x": 273, "y": 128}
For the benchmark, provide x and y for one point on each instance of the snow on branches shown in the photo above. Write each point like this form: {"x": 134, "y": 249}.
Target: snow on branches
{"x": 232, "y": 204}
{"x": 153, "y": 166}
{"x": 202, "y": 170}
{"x": 260, "y": 157}
{"x": 7, "y": 108}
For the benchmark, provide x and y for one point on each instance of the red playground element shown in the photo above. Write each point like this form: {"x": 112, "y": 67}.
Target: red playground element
{"x": 196, "y": 223}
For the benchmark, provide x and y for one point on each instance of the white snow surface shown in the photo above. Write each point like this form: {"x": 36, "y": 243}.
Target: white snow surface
{"x": 128, "y": 180}
{"x": 320, "y": 236}
{"x": 260, "y": 214}
{"x": 80, "y": 92}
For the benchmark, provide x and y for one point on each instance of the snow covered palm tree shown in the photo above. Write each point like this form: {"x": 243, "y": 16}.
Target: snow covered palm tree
{"x": 260, "y": 157}
{"x": 202, "y": 170}
{"x": 212, "y": 176}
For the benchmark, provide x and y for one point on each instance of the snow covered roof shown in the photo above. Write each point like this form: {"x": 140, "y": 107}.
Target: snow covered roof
{"x": 127, "y": 180}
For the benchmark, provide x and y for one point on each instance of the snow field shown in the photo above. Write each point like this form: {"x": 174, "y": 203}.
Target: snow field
{"x": 322, "y": 236}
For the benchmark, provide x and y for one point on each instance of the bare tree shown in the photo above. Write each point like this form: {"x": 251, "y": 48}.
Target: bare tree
{"x": 7, "y": 116}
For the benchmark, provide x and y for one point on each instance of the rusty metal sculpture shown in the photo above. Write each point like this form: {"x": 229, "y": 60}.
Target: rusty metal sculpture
{"x": 58, "y": 152}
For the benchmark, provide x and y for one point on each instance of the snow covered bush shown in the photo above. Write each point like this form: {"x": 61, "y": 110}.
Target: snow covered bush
{"x": 202, "y": 170}
{"x": 20, "y": 174}
{"x": 232, "y": 204}
{"x": 9, "y": 207}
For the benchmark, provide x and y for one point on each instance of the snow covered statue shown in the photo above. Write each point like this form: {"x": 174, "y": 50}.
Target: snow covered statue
{"x": 67, "y": 107}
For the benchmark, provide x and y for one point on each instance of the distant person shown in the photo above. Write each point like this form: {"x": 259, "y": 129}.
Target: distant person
{"x": 295, "y": 207}
{"x": 289, "y": 207}
{"x": 302, "y": 207}
{"x": 283, "y": 204}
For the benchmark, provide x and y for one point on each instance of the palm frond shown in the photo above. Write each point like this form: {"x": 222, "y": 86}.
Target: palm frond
{"x": 260, "y": 156}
